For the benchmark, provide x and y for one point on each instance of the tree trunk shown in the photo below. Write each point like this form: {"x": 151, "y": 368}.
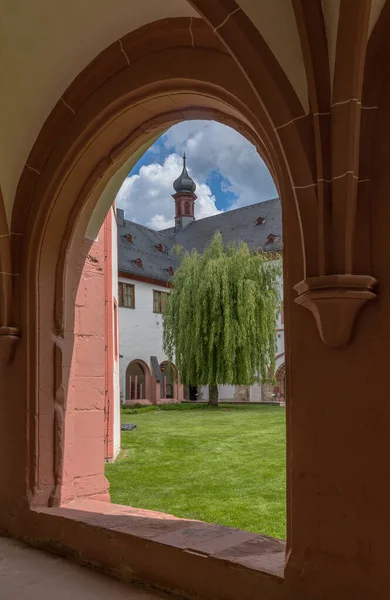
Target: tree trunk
{"x": 213, "y": 395}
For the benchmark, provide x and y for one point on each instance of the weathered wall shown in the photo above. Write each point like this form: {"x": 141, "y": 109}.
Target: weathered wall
{"x": 92, "y": 421}
{"x": 140, "y": 329}
{"x": 85, "y": 424}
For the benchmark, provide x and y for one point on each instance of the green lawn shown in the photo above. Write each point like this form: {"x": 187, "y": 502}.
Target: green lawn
{"x": 224, "y": 465}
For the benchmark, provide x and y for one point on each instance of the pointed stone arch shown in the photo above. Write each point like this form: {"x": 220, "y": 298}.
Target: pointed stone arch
{"x": 71, "y": 167}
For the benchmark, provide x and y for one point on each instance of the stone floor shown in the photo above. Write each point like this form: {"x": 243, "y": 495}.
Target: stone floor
{"x": 29, "y": 574}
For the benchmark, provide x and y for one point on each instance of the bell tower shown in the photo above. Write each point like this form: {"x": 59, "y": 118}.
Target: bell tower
{"x": 184, "y": 198}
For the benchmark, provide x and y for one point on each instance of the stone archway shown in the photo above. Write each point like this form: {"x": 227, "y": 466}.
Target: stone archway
{"x": 120, "y": 119}
{"x": 170, "y": 387}
{"x": 137, "y": 383}
{"x": 331, "y": 232}
{"x": 65, "y": 190}
{"x": 280, "y": 388}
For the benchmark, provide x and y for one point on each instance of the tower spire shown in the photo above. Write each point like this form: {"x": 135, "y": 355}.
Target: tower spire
{"x": 184, "y": 183}
{"x": 184, "y": 198}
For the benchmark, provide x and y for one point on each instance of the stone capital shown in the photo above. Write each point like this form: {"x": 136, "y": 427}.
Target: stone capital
{"x": 335, "y": 301}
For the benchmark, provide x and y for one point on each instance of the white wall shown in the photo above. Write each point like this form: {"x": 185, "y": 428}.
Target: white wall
{"x": 140, "y": 329}
{"x": 226, "y": 393}
{"x": 140, "y": 336}
{"x": 255, "y": 393}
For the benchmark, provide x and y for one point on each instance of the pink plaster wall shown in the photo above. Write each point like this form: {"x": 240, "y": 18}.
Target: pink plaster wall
{"x": 85, "y": 429}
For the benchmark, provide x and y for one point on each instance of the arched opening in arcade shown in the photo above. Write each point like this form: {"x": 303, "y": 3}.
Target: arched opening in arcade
{"x": 86, "y": 94}
{"x": 118, "y": 123}
{"x": 137, "y": 381}
{"x": 146, "y": 234}
{"x": 169, "y": 382}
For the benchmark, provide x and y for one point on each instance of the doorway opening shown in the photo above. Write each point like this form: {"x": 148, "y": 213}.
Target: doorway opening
{"x": 169, "y": 381}
{"x": 191, "y": 393}
{"x": 137, "y": 375}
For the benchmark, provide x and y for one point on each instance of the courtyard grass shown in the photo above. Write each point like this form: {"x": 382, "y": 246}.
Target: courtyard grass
{"x": 224, "y": 465}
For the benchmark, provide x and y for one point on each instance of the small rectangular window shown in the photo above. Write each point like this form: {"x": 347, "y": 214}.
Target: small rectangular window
{"x": 159, "y": 301}
{"x": 126, "y": 295}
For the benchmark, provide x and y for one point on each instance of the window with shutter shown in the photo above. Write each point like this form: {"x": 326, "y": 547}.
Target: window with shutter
{"x": 126, "y": 295}
{"x": 159, "y": 301}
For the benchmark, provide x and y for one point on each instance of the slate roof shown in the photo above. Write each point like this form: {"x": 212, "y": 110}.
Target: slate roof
{"x": 144, "y": 245}
{"x": 234, "y": 225}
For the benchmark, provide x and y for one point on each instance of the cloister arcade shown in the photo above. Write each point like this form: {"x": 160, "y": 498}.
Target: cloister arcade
{"x": 85, "y": 93}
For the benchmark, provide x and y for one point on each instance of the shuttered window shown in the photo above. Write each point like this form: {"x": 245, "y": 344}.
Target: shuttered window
{"x": 126, "y": 295}
{"x": 159, "y": 301}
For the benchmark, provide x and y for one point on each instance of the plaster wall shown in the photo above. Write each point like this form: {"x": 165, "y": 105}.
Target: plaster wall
{"x": 93, "y": 427}
{"x": 140, "y": 337}
{"x": 85, "y": 419}
{"x": 233, "y": 393}
{"x": 39, "y": 39}
{"x": 226, "y": 392}
{"x": 140, "y": 329}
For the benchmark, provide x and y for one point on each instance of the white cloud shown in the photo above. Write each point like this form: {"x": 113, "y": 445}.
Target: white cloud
{"x": 210, "y": 146}
{"x": 147, "y": 197}
{"x": 159, "y": 222}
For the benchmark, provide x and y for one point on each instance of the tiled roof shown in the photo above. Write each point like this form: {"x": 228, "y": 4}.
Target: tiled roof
{"x": 234, "y": 225}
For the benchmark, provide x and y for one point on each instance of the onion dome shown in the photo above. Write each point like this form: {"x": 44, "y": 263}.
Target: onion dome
{"x": 184, "y": 183}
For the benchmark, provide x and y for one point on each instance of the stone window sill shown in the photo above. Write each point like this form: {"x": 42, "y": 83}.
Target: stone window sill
{"x": 191, "y": 558}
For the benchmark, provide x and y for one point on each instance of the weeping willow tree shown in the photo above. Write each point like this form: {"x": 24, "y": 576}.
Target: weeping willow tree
{"x": 220, "y": 318}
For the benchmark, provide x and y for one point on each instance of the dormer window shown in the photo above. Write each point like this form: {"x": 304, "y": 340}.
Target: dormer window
{"x": 170, "y": 271}
{"x": 160, "y": 247}
{"x": 260, "y": 221}
{"x": 138, "y": 262}
{"x": 271, "y": 239}
{"x": 129, "y": 238}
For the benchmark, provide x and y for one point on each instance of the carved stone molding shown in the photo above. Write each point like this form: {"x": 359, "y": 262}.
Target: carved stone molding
{"x": 335, "y": 301}
{"x": 9, "y": 337}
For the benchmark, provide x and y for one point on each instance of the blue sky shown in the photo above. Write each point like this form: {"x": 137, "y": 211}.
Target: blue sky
{"x": 214, "y": 179}
{"x": 225, "y": 166}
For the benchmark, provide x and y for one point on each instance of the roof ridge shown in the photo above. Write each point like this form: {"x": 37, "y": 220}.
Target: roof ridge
{"x": 234, "y": 210}
{"x": 143, "y": 227}
{"x": 223, "y": 212}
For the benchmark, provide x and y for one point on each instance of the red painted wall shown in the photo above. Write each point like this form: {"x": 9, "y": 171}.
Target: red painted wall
{"x": 89, "y": 415}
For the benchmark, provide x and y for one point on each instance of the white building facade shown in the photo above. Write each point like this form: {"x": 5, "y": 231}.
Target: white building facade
{"x": 145, "y": 268}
